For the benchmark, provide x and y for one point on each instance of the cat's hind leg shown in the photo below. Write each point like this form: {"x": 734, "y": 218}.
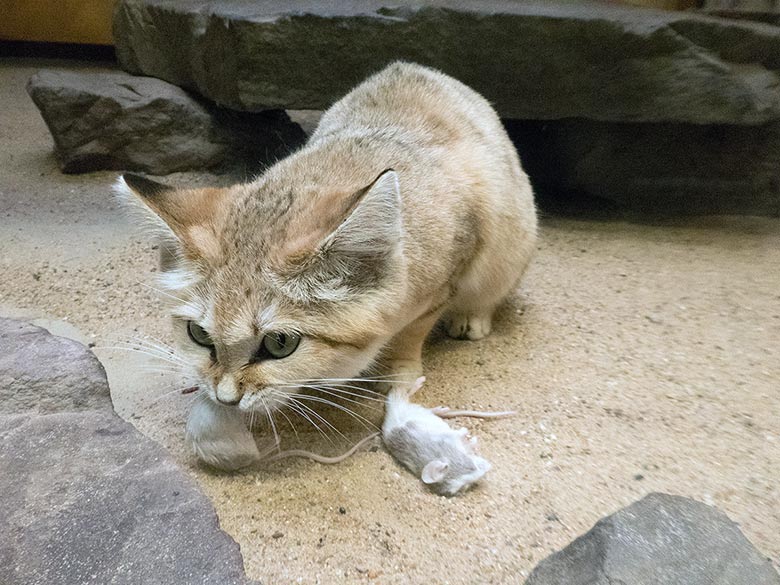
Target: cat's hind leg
{"x": 471, "y": 325}
{"x": 481, "y": 288}
{"x": 219, "y": 437}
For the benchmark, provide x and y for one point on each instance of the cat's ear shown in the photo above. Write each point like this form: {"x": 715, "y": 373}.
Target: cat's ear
{"x": 187, "y": 217}
{"x": 346, "y": 243}
{"x": 373, "y": 222}
{"x": 132, "y": 189}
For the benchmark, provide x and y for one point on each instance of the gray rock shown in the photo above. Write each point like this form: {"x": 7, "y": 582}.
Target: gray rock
{"x": 660, "y": 540}
{"x": 85, "y": 497}
{"x": 661, "y": 169}
{"x": 758, "y": 10}
{"x": 123, "y": 122}
{"x": 41, "y": 373}
{"x": 751, "y": 5}
{"x": 88, "y": 499}
{"x": 533, "y": 60}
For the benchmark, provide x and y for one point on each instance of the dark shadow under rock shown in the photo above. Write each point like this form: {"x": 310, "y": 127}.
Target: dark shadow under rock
{"x": 659, "y": 540}
{"x": 651, "y": 169}
{"x": 123, "y": 122}
{"x": 85, "y": 497}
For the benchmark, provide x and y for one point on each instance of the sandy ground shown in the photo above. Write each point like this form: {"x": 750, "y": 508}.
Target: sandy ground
{"x": 640, "y": 358}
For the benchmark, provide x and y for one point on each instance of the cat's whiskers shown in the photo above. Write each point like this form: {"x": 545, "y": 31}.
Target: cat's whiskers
{"x": 162, "y": 292}
{"x": 271, "y": 420}
{"x": 149, "y": 340}
{"x": 156, "y": 347}
{"x": 361, "y": 419}
{"x": 280, "y": 409}
{"x": 294, "y": 407}
{"x": 151, "y": 354}
{"x": 152, "y": 344}
{"x": 251, "y": 419}
{"x": 201, "y": 395}
{"x": 153, "y": 348}
{"x": 341, "y": 390}
{"x": 167, "y": 370}
{"x": 164, "y": 351}
{"x": 382, "y": 378}
{"x": 306, "y": 408}
{"x": 337, "y": 382}
{"x": 335, "y": 393}
{"x": 345, "y": 385}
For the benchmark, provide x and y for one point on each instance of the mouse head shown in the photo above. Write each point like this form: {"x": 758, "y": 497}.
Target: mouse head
{"x": 448, "y": 479}
{"x": 455, "y": 470}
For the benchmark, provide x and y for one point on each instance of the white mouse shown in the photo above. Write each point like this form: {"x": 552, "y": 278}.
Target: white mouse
{"x": 443, "y": 458}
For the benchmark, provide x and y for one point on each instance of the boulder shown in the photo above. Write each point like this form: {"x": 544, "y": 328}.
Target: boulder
{"x": 85, "y": 497}
{"x": 746, "y": 5}
{"x": 659, "y": 540}
{"x": 118, "y": 121}
{"x": 758, "y": 10}
{"x": 88, "y": 499}
{"x": 533, "y": 60}
{"x": 659, "y": 169}
{"x": 41, "y": 373}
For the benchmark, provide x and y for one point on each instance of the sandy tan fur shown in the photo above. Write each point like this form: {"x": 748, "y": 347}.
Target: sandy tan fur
{"x": 407, "y": 204}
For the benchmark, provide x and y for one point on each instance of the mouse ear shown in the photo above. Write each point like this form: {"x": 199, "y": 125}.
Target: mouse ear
{"x": 434, "y": 471}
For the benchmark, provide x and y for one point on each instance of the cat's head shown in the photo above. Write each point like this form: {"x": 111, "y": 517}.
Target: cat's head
{"x": 276, "y": 284}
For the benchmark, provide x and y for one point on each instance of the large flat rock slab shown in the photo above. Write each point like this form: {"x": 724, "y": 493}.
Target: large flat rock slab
{"x": 533, "y": 60}
{"x": 659, "y": 540}
{"x": 113, "y": 120}
{"x": 758, "y": 10}
{"x": 85, "y": 497}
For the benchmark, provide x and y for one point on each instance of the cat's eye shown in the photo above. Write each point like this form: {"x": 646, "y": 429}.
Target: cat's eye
{"x": 198, "y": 334}
{"x": 278, "y": 345}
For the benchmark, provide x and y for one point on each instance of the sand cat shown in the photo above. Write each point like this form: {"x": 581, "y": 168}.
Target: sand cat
{"x": 407, "y": 205}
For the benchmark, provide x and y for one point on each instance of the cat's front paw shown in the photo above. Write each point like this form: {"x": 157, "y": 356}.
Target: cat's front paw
{"x": 219, "y": 438}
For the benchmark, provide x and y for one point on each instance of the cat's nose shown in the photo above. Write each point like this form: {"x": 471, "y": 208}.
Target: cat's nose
{"x": 228, "y": 392}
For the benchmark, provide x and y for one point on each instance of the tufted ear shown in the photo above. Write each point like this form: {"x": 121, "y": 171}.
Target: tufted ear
{"x": 144, "y": 187}
{"x": 190, "y": 218}
{"x": 346, "y": 242}
{"x": 434, "y": 471}
{"x": 372, "y": 223}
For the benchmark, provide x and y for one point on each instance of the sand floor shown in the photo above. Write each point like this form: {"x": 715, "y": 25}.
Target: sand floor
{"x": 640, "y": 357}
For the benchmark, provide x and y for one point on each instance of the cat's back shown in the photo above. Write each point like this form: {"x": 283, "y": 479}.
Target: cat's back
{"x": 416, "y": 103}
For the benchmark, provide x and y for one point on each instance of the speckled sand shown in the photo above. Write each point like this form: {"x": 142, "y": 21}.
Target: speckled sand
{"x": 640, "y": 358}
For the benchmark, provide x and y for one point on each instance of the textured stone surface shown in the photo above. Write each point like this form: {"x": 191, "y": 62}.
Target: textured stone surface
{"x": 758, "y": 10}
{"x": 660, "y": 169}
{"x": 533, "y": 60}
{"x": 747, "y": 5}
{"x": 41, "y": 373}
{"x": 120, "y": 121}
{"x": 85, "y": 498}
{"x": 660, "y": 540}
